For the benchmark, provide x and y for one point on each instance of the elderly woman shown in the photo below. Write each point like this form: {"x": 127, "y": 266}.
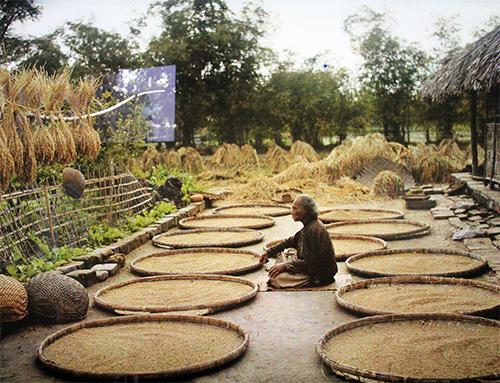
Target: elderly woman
{"x": 315, "y": 263}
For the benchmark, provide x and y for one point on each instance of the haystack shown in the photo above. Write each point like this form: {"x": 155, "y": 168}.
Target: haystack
{"x": 191, "y": 160}
{"x": 352, "y": 155}
{"x": 449, "y": 149}
{"x": 277, "y": 159}
{"x": 171, "y": 159}
{"x": 304, "y": 150}
{"x": 226, "y": 155}
{"x": 150, "y": 158}
{"x": 388, "y": 183}
{"x": 319, "y": 171}
{"x": 248, "y": 156}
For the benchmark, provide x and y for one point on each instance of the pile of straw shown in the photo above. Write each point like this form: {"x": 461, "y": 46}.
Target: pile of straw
{"x": 304, "y": 150}
{"x": 171, "y": 159}
{"x": 259, "y": 189}
{"x": 388, "y": 183}
{"x": 248, "y": 156}
{"x": 227, "y": 155}
{"x": 191, "y": 160}
{"x": 34, "y": 131}
{"x": 150, "y": 158}
{"x": 277, "y": 159}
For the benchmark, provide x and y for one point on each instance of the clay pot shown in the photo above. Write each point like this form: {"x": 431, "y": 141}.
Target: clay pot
{"x": 196, "y": 198}
{"x": 73, "y": 182}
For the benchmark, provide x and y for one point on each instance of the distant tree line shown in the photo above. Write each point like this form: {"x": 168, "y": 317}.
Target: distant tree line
{"x": 232, "y": 89}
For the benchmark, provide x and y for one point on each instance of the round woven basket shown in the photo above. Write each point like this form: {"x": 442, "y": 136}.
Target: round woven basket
{"x": 271, "y": 210}
{"x": 365, "y": 227}
{"x": 56, "y": 297}
{"x": 247, "y": 221}
{"x": 253, "y": 261}
{"x": 175, "y": 239}
{"x": 53, "y": 365}
{"x": 335, "y": 215}
{"x": 378, "y": 243}
{"x": 215, "y": 305}
{"x": 351, "y": 263}
{"x": 13, "y": 300}
{"x": 360, "y": 374}
{"x": 367, "y": 284}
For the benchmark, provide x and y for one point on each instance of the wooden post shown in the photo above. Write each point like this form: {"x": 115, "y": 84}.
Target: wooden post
{"x": 473, "y": 131}
{"x": 49, "y": 215}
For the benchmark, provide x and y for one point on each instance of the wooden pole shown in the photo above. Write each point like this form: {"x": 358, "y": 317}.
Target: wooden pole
{"x": 473, "y": 132}
{"x": 49, "y": 215}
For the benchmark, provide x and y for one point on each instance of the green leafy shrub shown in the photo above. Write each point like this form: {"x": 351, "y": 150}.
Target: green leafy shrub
{"x": 103, "y": 234}
{"x": 22, "y": 268}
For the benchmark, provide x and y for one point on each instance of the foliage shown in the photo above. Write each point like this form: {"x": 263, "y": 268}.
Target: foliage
{"x": 190, "y": 185}
{"x": 22, "y": 268}
{"x": 217, "y": 57}
{"x": 392, "y": 71}
{"x": 96, "y": 51}
{"x": 103, "y": 234}
{"x": 11, "y": 46}
{"x": 123, "y": 134}
{"x": 138, "y": 222}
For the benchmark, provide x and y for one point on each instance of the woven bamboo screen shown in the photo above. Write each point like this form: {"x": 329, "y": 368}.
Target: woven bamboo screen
{"x": 48, "y": 213}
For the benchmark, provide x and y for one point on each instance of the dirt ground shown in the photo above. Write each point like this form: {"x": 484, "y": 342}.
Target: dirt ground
{"x": 283, "y": 326}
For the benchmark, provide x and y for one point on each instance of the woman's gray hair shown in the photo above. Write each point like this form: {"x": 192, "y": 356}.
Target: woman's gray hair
{"x": 307, "y": 203}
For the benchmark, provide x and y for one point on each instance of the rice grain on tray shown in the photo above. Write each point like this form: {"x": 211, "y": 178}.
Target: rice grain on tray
{"x": 423, "y": 349}
{"x": 135, "y": 348}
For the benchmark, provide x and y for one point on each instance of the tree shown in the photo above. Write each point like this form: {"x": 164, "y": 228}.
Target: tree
{"x": 96, "y": 51}
{"x": 43, "y": 53}
{"x": 10, "y": 12}
{"x": 446, "y": 114}
{"x": 217, "y": 57}
{"x": 392, "y": 71}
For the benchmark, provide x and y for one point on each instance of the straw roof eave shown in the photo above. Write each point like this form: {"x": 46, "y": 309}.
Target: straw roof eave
{"x": 475, "y": 68}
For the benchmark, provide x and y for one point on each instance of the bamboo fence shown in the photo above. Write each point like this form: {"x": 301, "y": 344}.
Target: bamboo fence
{"x": 47, "y": 212}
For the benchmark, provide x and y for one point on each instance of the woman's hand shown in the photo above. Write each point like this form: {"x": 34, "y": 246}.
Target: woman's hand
{"x": 264, "y": 258}
{"x": 277, "y": 270}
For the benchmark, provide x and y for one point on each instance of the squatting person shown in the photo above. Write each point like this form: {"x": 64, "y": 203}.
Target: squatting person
{"x": 315, "y": 263}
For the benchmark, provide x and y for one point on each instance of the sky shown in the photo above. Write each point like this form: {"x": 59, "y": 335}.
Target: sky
{"x": 306, "y": 28}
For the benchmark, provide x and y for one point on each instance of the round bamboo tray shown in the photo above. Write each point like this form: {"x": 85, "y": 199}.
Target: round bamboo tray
{"x": 192, "y": 261}
{"x": 222, "y": 237}
{"x": 388, "y": 229}
{"x": 406, "y": 295}
{"x": 406, "y": 266}
{"x": 195, "y": 295}
{"x": 271, "y": 210}
{"x": 338, "y": 215}
{"x": 242, "y": 221}
{"x": 411, "y": 348}
{"x": 136, "y": 356}
{"x": 346, "y": 246}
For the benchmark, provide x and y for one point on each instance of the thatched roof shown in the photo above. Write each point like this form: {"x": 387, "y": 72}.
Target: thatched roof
{"x": 477, "y": 67}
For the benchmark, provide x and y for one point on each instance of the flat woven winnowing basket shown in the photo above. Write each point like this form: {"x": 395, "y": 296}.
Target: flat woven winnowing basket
{"x": 13, "y": 300}
{"x": 414, "y": 348}
{"x": 218, "y": 237}
{"x": 339, "y": 214}
{"x": 205, "y": 260}
{"x": 56, "y": 297}
{"x": 242, "y": 221}
{"x": 387, "y": 229}
{"x": 416, "y": 261}
{"x": 271, "y": 210}
{"x": 77, "y": 350}
{"x": 422, "y": 294}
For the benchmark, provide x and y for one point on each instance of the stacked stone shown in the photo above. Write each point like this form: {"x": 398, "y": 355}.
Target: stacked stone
{"x": 105, "y": 262}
